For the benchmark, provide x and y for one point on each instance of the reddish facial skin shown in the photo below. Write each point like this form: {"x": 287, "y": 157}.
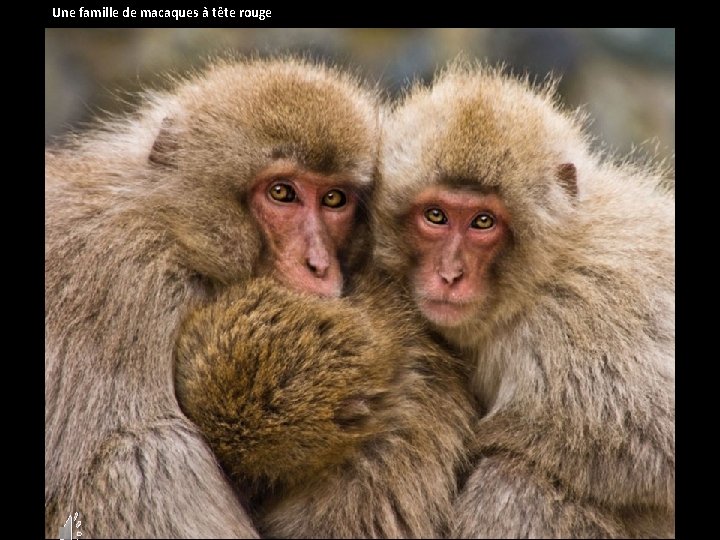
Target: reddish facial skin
{"x": 454, "y": 258}
{"x": 304, "y": 235}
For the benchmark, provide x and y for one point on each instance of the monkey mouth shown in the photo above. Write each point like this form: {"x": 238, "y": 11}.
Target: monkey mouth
{"x": 444, "y": 302}
{"x": 444, "y": 312}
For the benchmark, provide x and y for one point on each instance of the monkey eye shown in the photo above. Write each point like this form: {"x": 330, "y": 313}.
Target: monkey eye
{"x": 483, "y": 220}
{"x": 436, "y": 216}
{"x": 334, "y": 199}
{"x": 282, "y": 192}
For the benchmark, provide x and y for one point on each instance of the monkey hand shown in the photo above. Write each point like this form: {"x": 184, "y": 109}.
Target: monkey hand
{"x": 283, "y": 384}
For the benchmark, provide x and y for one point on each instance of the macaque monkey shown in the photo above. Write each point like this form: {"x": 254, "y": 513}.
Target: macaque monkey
{"x": 248, "y": 169}
{"x": 551, "y": 270}
{"x": 337, "y": 418}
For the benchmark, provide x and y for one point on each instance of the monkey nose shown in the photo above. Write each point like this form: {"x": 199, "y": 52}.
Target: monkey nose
{"x": 318, "y": 268}
{"x": 450, "y": 276}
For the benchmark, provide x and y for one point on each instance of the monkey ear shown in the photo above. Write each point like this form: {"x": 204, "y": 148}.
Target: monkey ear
{"x": 567, "y": 174}
{"x": 165, "y": 145}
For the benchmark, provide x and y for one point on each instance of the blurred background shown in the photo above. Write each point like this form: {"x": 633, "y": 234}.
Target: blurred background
{"x": 624, "y": 77}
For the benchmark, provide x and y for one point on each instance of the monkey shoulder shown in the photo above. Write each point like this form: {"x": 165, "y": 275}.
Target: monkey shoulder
{"x": 612, "y": 291}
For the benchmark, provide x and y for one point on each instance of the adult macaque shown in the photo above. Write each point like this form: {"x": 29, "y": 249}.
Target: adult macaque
{"x": 248, "y": 169}
{"x": 338, "y": 418}
{"x": 552, "y": 271}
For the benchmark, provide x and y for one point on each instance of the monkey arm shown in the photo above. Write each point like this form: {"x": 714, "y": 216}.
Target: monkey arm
{"x": 507, "y": 498}
{"x": 616, "y": 469}
{"x": 589, "y": 430}
{"x": 574, "y": 418}
{"x": 357, "y": 423}
{"x": 133, "y": 469}
{"x": 117, "y": 449}
{"x": 560, "y": 481}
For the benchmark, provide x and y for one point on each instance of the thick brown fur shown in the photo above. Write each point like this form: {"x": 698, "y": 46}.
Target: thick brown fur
{"x": 339, "y": 417}
{"x": 145, "y": 216}
{"x": 573, "y": 351}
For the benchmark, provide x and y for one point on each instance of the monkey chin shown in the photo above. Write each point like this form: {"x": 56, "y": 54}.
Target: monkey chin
{"x": 444, "y": 313}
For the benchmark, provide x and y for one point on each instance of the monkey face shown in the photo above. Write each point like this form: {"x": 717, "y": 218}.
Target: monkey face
{"x": 456, "y": 235}
{"x": 305, "y": 218}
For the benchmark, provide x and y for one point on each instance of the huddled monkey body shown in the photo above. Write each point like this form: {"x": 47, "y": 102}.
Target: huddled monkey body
{"x": 151, "y": 214}
{"x": 236, "y": 201}
{"x": 551, "y": 270}
{"x": 338, "y": 418}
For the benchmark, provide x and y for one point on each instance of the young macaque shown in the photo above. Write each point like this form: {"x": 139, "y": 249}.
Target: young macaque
{"x": 246, "y": 169}
{"x": 551, "y": 271}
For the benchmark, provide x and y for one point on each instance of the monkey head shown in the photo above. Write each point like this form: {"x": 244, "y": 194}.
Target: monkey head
{"x": 478, "y": 182}
{"x": 263, "y": 167}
